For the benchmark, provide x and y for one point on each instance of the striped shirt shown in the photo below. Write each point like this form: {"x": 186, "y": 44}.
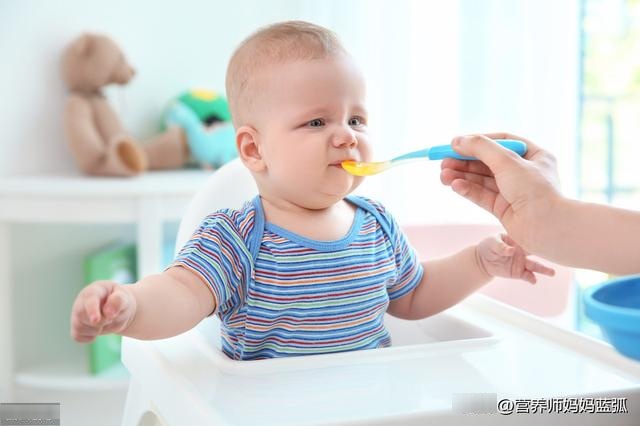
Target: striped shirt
{"x": 281, "y": 294}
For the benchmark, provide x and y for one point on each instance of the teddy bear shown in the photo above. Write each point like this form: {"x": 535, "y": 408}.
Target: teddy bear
{"x": 97, "y": 139}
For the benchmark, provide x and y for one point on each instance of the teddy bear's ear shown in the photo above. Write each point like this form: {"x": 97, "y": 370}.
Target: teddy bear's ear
{"x": 82, "y": 46}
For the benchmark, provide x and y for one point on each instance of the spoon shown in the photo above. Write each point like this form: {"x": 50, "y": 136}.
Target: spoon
{"x": 363, "y": 168}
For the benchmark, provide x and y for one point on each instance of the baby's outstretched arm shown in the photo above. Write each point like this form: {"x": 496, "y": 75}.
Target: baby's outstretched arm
{"x": 449, "y": 280}
{"x": 156, "y": 307}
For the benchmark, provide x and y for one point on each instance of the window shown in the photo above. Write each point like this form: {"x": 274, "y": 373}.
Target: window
{"x": 608, "y": 143}
{"x": 610, "y": 109}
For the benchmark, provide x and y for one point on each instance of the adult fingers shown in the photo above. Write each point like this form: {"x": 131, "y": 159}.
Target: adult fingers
{"x": 470, "y": 166}
{"x": 449, "y": 175}
{"x": 489, "y": 200}
{"x": 486, "y": 150}
{"x": 532, "y": 148}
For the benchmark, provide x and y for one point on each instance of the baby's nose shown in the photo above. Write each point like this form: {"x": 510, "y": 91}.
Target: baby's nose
{"x": 345, "y": 137}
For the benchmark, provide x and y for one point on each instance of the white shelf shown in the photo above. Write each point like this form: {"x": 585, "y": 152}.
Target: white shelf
{"x": 82, "y": 199}
{"x": 163, "y": 183}
{"x": 147, "y": 202}
{"x": 63, "y": 377}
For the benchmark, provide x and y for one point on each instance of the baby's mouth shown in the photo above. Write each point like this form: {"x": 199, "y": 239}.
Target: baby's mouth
{"x": 339, "y": 163}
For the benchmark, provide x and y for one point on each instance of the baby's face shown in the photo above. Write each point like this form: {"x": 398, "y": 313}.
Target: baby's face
{"x": 312, "y": 117}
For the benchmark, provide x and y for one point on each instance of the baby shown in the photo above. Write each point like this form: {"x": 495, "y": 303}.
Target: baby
{"x": 303, "y": 268}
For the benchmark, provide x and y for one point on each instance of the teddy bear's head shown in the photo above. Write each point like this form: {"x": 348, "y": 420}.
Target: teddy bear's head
{"x": 93, "y": 61}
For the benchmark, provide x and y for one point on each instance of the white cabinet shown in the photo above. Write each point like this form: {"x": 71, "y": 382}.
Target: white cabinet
{"x": 46, "y": 224}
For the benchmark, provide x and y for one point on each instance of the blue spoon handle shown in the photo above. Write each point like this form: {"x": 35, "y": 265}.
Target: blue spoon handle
{"x": 445, "y": 151}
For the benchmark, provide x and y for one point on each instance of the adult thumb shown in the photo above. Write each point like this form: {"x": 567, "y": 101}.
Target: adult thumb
{"x": 485, "y": 149}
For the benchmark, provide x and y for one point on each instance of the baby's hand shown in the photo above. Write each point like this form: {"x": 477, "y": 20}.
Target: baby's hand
{"x": 101, "y": 308}
{"x": 500, "y": 256}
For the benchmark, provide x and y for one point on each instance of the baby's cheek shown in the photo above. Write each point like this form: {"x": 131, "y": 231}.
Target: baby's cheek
{"x": 366, "y": 152}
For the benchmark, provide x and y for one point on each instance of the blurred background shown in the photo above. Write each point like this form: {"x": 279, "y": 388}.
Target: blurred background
{"x": 434, "y": 69}
{"x": 565, "y": 74}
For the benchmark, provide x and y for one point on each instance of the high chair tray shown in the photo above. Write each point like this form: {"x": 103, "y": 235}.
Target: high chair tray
{"x": 479, "y": 346}
{"x": 440, "y": 333}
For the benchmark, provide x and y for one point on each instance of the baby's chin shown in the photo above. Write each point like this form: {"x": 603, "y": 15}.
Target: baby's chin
{"x": 328, "y": 198}
{"x": 323, "y": 195}
{"x": 318, "y": 200}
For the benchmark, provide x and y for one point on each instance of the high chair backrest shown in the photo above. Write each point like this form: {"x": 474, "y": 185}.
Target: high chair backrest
{"x": 228, "y": 187}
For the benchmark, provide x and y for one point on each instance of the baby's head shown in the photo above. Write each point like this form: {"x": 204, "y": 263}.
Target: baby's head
{"x": 297, "y": 102}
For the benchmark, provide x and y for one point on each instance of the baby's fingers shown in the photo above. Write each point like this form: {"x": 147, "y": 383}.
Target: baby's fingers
{"x": 501, "y": 247}
{"x": 83, "y": 333}
{"x": 92, "y": 302}
{"x": 505, "y": 249}
{"x": 529, "y": 277}
{"x": 511, "y": 242}
{"x": 539, "y": 268}
{"x": 114, "y": 305}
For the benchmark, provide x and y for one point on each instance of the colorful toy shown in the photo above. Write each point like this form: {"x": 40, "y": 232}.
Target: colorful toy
{"x": 205, "y": 118}
{"x": 97, "y": 139}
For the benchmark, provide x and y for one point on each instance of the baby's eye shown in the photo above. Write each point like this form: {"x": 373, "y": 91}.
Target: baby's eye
{"x": 356, "y": 121}
{"x": 318, "y": 122}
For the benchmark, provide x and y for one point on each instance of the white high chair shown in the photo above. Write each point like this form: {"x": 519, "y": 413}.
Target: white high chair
{"x": 478, "y": 346}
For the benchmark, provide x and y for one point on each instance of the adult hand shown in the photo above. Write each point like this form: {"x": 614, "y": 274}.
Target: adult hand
{"x": 520, "y": 192}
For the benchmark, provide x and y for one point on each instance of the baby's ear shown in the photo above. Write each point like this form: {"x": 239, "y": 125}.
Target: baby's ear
{"x": 249, "y": 149}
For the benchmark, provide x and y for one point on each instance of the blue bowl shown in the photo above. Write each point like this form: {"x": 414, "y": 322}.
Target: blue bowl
{"x": 615, "y": 306}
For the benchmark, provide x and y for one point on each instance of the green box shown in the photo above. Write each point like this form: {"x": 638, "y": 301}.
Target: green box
{"x": 115, "y": 262}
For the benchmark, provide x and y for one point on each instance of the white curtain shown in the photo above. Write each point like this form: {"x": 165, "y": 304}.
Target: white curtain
{"x": 439, "y": 68}
{"x": 520, "y": 72}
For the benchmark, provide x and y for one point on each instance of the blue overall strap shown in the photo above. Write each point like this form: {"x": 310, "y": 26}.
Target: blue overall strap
{"x": 364, "y": 204}
{"x": 254, "y": 237}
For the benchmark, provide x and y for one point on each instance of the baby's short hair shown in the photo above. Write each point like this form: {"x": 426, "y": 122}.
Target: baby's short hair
{"x": 273, "y": 44}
